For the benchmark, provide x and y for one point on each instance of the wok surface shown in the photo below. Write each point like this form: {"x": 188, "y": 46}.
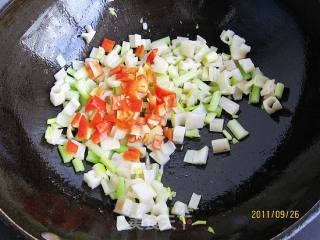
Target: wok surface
{"x": 275, "y": 168}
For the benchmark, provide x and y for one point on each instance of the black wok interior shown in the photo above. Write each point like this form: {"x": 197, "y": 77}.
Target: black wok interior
{"x": 275, "y": 168}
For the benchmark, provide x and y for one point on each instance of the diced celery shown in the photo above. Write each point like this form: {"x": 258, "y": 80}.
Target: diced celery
{"x": 199, "y": 222}
{"x": 165, "y": 40}
{"x": 99, "y": 169}
{"x": 81, "y": 74}
{"x": 83, "y": 90}
{"x": 176, "y": 51}
{"x": 92, "y": 157}
{"x": 210, "y": 230}
{"x": 237, "y": 130}
{"x": 66, "y": 157}
{"x": 205, "y": 74}
{"x": 117, "y": 48}
{"x": 78, "y": 165}
{"x": 193, "y": 133}
{"x": 125, "y": 48}
{"x": 108, "y": 164}
{"x": 71, "y": 71}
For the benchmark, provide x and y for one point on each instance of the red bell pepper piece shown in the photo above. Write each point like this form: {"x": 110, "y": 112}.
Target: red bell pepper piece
{"x": 76, "y": 119}
{"x": 95, "y": 103}
{"x": 98, "y": 118}
{"x": 116, "y": 70}
{"x": 151, "y": 56}
{"x": 140, "y": 51}
{"x": 108, "y": 44}
{"x": 94, "y": 69}
{"x": 84, "y": 130}
{"x": 71, "y": 147}
{"x": 168, "y": 133}
{"x": 133, "y": 154}
{"x": 135, "y": 105}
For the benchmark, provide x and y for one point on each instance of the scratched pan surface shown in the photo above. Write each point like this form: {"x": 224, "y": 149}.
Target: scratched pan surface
{"x": 275, "y": 168}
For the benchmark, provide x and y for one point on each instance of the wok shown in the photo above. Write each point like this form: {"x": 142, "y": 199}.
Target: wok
{"x": 276, "y": 168}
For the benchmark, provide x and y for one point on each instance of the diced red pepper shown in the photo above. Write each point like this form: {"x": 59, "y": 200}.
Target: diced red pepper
{"x": 153, "y": 120}
{"x": 140, "y": 51}
{"x": 111, "y": 118}
{"x": 170, "y": 101}
{"x": 98, "y": 118}
{"x": 95, "y": 103}
{"x": 168, "y": 133}
{"x": 125, "y": 77}
{"x": 132, "y": 138}
{"x": 152, "y": 55}
{"x": 161, "y": 92}
{"x": 115, "y": 102}
{"x": 71, "y": 147}
{"x": 125, "y": 125}
{"x": 133, "y": 154}
{"x": 145, "y": 138}
{"x": 132, "y": 70}
{"x": 116, "y": 70}
{"x": 142, "y": 85}
{"x": 140, "y": 121}
{"x": 123, "y": 115}
{"x": 98, "y": 137}
{"x": 84, "y": 130}
{"x": 123, "y": 104}
{"x": 108, "y": 44}
{"x": 157, "y": 141}
{"x": 104, "y": 126}
{"x": 94, "y": 69}
{"x": 152, "y": 100}
{"x": 135, "y": 104}
{"x": 160, "y": 110}
{"x": 76, "y": 119}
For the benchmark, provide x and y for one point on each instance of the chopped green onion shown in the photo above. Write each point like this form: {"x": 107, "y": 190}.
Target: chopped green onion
{"x": 199, "y": 222}
{"x": 121, "y": 149}
{"x": 278, "y": 92}
{"x": 234, "y": 141}
{"x": 185, "y": 77}
{"x": 120, "y": 191}
{"x": 246, "y": 76}
{"x": 71, "y": 71}
{"x": 254, "y": 96}
{"x": 81, "y": 74}
{"x": 51, "y": 121}
{"x": 92, "y": 157}
{"x": 193, "y": 133}
{"x": 210, "y": 230}
{"x": 159, "y": 176}
{"x": 218, "y": 111}
{"x": 66, "y": 157}
{"x": 214, "y": 103}
{"x": 182, "y": 218}
{"x": 78, "y": 165}
{"x": 227, "y": 135}
{"x": 210, "y": 57}
{"x": 237, "y": 130}
{"x": 83, "y": 90}
{"x": 210, "y": 117}
{"x": 235, "y": 116}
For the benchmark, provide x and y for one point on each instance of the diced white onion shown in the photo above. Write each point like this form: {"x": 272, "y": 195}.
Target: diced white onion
{"x": 220, "y": 145}
{"x": 194, "y": 201}
{"x": 122, "y": 224}
{"x": 178, "y": 134}
{"x": 229, "y": 106}
{"x": 216, "y": 125}
{"x": 271, "y": 105}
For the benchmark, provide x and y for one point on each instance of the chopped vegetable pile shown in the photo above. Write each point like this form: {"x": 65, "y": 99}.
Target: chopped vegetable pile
{"x": 125, "y": 104}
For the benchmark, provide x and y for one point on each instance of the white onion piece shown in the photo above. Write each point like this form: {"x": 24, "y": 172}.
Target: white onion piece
{"x": 178, "y": 134}
{"x": 92, "y": 179}
{"x": 216, "y": 125}
{"x": 148, "y": 220}
{"x": 110, "y": 143}
{"x": 271, "y": 105}
{"x": 122, "y": 223}
{"x": 247, "y": 65}
{"x": 226, "y": 36}
{"x": 168, "y": 148}
{"x": 143, "y": 191}
{"x": 194, "y": 201}
{"x": 164, "y": 222}
{"x": 220, "y": 145}
{"x": 160, "y": 208}
{"x": 179, "y": 208}
{"x": 229, "y": 106}
{"x": 195, "y": 121}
